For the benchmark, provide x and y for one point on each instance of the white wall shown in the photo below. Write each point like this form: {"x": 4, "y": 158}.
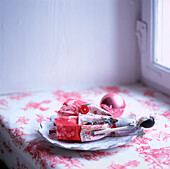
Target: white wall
{"x": 54, "y": 44}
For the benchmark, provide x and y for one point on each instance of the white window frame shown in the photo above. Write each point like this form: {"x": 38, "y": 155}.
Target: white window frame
{"x": 152, "y": 73}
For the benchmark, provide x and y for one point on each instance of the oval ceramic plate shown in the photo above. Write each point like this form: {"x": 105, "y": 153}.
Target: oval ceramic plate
{"x": 102, "y": 144}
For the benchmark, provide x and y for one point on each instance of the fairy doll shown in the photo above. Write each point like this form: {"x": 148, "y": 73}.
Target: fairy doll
{"x": 81, "y": 121}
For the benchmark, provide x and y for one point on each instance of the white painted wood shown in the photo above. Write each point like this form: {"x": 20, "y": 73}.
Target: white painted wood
{"x": 55, "y": 44}
{"x": 152, "y": 74}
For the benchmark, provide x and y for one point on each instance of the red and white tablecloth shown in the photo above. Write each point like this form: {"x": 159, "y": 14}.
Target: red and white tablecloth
{"x": 22, "y": 146}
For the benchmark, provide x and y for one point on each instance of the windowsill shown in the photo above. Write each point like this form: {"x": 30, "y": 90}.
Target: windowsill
{"x": 157, "y": 87}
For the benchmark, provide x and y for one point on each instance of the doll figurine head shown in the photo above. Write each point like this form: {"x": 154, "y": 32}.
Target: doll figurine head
{"x": 148, "y": 123}
{"x": 114, "y": 104}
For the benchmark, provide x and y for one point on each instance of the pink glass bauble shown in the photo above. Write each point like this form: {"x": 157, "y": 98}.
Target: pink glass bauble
{"x": 114, "y": 104}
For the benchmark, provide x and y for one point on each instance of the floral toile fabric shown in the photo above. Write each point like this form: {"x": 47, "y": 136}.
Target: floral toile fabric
{"x": 22, "y": 146}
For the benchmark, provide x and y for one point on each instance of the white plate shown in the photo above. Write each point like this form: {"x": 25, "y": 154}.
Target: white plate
{"x": 121, "y": 138}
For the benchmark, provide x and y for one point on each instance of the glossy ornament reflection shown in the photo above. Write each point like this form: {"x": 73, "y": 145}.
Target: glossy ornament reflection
{"x": 114, "y": 104}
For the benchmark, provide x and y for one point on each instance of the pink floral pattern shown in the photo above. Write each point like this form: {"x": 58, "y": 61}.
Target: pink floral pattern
{"x": 20, "y": 165}
{"x": 7, "y": 146}
{"x": 21, "y": 146}
{"x": 17, "y": 136}
{"x": 20, "y": 96}
{"x": 96, "y": 155}
{"x": 131, "y": 164}
{"x": 3, "y": 104}
{"x": 23, "y": 120}
{"x": 37, "y": 105}
{"x": 166, "y": 114}
{"x": 43, "y": 153}
{"x": 41, "y": 118}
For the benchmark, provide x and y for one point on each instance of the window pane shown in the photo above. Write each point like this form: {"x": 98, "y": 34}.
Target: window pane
{"x": 163, "y": 34}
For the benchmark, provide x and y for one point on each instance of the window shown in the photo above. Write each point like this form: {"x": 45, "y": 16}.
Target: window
{"x": 155, "y": 40}
{"x": 163, "y": 33}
